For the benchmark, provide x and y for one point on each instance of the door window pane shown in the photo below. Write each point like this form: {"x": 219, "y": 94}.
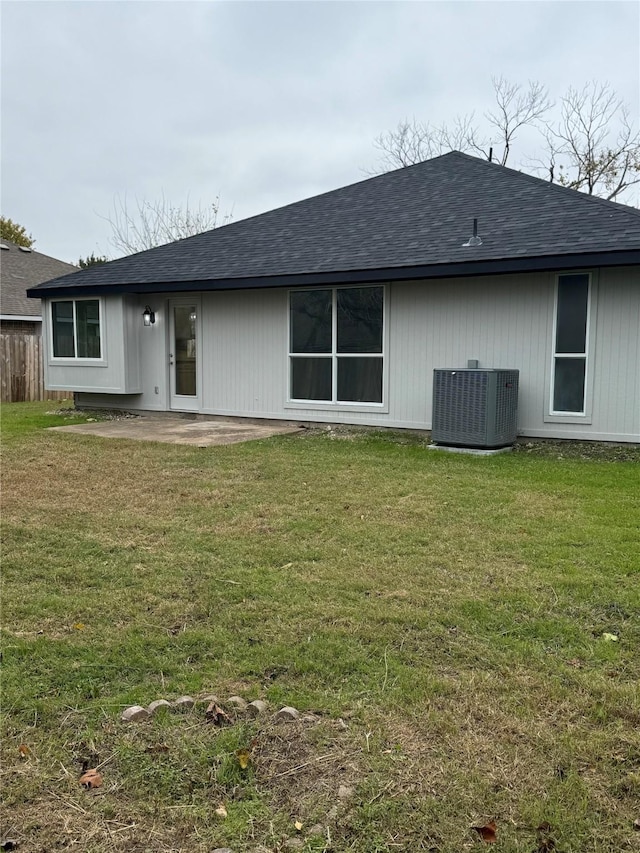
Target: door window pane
{"x": 360, "y": 319}
{"x": 571, "y": 319}
{"x": 184, "y": 317}
{"x": 311, "y": 378}
{"x": 360, "y": 380}
{"x": 88, "y": 328}
{"x": 62, "y": 322}
{"x": 310, "y": 321}
{"x": 568, "y": 388}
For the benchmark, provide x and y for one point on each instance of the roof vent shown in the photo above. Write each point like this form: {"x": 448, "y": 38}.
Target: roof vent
{"x": 475, "y": 240}
{"x": 2, "y": 246}
{"x": 24, "y": 248}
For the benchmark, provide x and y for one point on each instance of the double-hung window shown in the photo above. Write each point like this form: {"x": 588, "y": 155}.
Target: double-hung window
{"x": 336, "y": 345}
{"x": 571, "y": 345}
{"x": 75, "y": 326}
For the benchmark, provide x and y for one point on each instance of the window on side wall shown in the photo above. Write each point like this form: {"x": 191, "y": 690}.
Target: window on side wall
{"x": 570, "y": 370}
{"x": 75, "y": 328}
{"x": 336, "y": 345}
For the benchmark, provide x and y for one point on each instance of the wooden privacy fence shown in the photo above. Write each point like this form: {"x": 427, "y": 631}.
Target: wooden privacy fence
{"x": 22, "y": 370}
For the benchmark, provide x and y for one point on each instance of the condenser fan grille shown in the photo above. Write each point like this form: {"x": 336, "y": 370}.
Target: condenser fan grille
{"x": 475, "y": 407}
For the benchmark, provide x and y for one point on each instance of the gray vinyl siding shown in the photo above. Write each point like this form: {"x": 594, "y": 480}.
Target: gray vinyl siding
{"x": 617, "y": 362}
{"x": 504, "y": 322}
{"x": 118, "y": 369}
{"x": 244, "y": 353}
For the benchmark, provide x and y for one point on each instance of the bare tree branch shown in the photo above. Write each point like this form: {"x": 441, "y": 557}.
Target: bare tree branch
{"x": 147, "y": 224}
{"x": 594, "y": 157}
{"x": 516, "y": 109}
{"x": 413, "y": 141}
{"x": 592, "y": 145}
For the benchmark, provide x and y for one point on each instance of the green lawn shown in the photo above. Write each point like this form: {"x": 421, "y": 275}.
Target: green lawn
{"x": 443, "y": 616}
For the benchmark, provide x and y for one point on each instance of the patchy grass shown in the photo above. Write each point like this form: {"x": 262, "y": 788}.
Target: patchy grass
{"x": 443, "y": 617}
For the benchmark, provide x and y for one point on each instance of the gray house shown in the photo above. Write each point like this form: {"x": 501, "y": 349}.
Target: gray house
{"x": 20, "y": 269}
{"x": 338, "y": 308}
{"x": 21, "y": 359}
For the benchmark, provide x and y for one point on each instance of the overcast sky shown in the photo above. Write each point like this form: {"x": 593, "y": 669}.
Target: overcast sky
{"x": 261, "y": 103}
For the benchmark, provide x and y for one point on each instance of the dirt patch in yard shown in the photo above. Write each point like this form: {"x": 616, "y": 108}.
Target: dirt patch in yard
{"x": 589, "y": 451}
{"x": 602, "y": 451}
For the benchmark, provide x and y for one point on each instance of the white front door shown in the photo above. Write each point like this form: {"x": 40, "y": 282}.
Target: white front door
{"x": 184, "y": 347}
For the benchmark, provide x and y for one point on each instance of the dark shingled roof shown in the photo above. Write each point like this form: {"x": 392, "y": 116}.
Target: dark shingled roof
{"x": 410, "y": 223}
{"x": 20, "y": 270}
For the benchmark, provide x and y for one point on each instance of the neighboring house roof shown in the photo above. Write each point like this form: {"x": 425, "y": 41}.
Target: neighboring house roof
{"x": 21, "y": 269}
{"x": 409, "y": 224}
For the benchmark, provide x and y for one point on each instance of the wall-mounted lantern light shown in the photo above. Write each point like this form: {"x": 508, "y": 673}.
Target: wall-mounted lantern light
{"x": 193, "y": 316}
{"x": 148, "y": 316}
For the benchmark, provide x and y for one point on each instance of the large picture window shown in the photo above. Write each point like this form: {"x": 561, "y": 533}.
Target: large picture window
{"x": 75, "y": 325}
{"x": 571, "y": 337}
{"x": 336, "y": 345}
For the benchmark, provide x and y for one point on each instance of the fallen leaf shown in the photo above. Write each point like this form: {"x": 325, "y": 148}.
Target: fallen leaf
{"x": 24, "y": 750}
{"x": 298, "y": 826}
{"x": 91, "y": 779}
{"x": 216, "y": 715}
{"x": 221, "y": 811}
{"x": 157, "y": 747}
{"x": 244, "y": 758}
{"x": 610, "y": 638}
{"x": 79, "y": 626}
{"x": 546, "y": 844}
{"x": 487, "y": 832}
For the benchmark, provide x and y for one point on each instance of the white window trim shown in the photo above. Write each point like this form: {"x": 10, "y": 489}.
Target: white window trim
{"x": 336, "y": 405}
{"x": 67, "y": 359}
{"x": 584, "y": 417}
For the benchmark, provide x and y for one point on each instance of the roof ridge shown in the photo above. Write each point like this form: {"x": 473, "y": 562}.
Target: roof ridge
{"x": 386, "y": 175}
{"x": 611, "y": 205}
{"x": 380, "y": 176}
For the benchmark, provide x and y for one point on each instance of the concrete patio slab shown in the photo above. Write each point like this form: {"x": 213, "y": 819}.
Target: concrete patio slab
{"x": 200, "y": 432}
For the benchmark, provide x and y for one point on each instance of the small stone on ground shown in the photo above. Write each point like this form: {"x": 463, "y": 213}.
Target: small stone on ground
{"x": 184, "y": 703}
{"x": 158, "y": 703}
{"x": 287, "y": 714}
{"x": 256, "y": 707}
{"x": 135, "y": 714}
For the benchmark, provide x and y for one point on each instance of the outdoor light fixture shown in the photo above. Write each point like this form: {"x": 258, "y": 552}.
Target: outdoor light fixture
{"x": 193, "y": 316}
{"x": 148, "y": 316}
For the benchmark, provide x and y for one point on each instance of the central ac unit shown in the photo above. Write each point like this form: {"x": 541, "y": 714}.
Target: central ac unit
{"x": 475, "y": 407}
